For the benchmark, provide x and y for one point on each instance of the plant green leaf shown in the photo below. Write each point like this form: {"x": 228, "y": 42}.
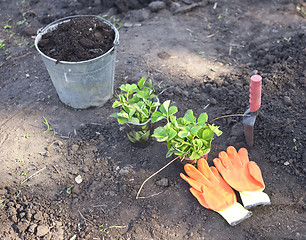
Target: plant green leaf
{"x": 200, "y": 133}
{"x": 185, "y": 128}
{"x": 123, "y": 87}
{"x": 131, "y": 112}
{"x": 134, "y": 120}
{"x": 154, "y": 104}
{"x": 123, "y": 115}
{"x": 215, "y": 129}
{"x": 203, "y": 118}
{"x": 165, "y": 107}
{"x": 208, "y": 134}
{"x": 181, "y": 122}
{"x": 170, "y": 152}
{"x": 183, "y": 134}
{"x": 194, "y": 155}
{"x": 128, "y": 87}
{"x": 195, "y": 129}
{"x": 189, "y": 116}
{"x": 171, "y": 133}
{"x": 116, "y": 104}
{"x": 132, "y": 87}
{"x": 121, "y": 120}
{"x": 114, "y": 115}
{"x": 174, "y": 123}
{"x": 141, "y": 95}
{"x": 121, "y": 98}
{"x": 141, "y": 82}
{"x": 145, "y": 112}
{"x": 157, "y": 116}
{"x": 160, "y": 134}
{"x": 172, "y": 110}
{"x": 206, "y": 151}
{"x": 198, "y": 143}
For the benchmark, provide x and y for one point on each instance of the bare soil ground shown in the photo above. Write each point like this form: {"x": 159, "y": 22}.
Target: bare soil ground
{"x": 197, "y": 53}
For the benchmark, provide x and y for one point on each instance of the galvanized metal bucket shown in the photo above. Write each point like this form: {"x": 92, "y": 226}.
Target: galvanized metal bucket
{"x": 82, "y": 84}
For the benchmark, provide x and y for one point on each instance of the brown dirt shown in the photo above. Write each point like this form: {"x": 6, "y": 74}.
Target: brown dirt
{"x": 78, "y": 40}
{"x": 196, "y": 54}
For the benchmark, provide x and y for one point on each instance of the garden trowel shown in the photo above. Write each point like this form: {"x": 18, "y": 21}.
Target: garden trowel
{"x": 251, "y": 113}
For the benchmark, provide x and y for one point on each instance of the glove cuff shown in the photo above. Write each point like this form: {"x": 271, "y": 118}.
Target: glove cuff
{"x": 252, "y": 199}
{"x": 235, "y": 214}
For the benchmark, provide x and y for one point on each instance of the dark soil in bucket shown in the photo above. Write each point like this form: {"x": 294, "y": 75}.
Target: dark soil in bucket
{"x": 79, "y": 39}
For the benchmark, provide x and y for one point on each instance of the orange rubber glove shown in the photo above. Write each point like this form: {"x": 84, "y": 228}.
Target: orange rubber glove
{"x": 213, "y": 192}
{"x": 242, "y": 175}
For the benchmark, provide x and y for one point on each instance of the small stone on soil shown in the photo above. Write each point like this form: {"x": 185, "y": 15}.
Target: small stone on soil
{"x": 76, "y": 190}
{"x": 58, "y": 234}
{"x": 163, "y": 55}
{"x": 218, "y": 81}
{"x": 174, "y": 6}
{"x": 22, "y": 226}
{"x": 42, "y": 230}
{"x": 11, "y": 211}
{"x": 38, "y": 216}
{"x": 213, "y": 101}
{"x": 187, "y": 2}
{"x": 143, "y": 15}
{"x": 31, "y": 29}
{"x": 14, "y": 218}
{"x": 128, "y": 25}
{"x": 157, "y": 6}
{"x": 164, "y": 182}
{"x": 287, "y": 101}
{"x": 125, "y": 170}
{"x": 74, "y": 147}
{"x": 85, "y": 169}
{"x": 186, "y": 93}
{"x": 78, "y": 179}
{"x": 10, "y": 204}
{"x": 273, "y": 158}
{"x": 3, "y": 191}
{"x": 32, "y": 227}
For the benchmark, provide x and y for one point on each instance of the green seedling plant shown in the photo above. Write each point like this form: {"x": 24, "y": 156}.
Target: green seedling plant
{"x": 8, "y": 25}
{"x": 26, "y": 136}
{"x": 187, "y": 136}
{"x": 2, "y": 203}
{"x": 296, "y": 145}
{"x": 47, "y": 124}
{"x": 19, "y": 160}
{"x": 115, "y": 21}
{"x": 69, "y": 190}
{"x": 136, "y": 103}
{"x": 2, "y": 45}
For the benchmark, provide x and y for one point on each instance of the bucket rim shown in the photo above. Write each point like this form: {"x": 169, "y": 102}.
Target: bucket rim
{"x": 44, "y": 30}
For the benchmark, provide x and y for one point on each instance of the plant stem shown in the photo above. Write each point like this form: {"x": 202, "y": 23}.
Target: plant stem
{"x": 137, "y": 196}
{"x": 32, "y": 175}
{"x": 232, "y": 115}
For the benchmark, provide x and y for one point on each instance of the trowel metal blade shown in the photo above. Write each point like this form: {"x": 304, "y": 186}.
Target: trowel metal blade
{"x": 248, "y": 123}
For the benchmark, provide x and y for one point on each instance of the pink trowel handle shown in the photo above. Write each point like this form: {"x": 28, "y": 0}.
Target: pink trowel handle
{"x": 255, "y": 93}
